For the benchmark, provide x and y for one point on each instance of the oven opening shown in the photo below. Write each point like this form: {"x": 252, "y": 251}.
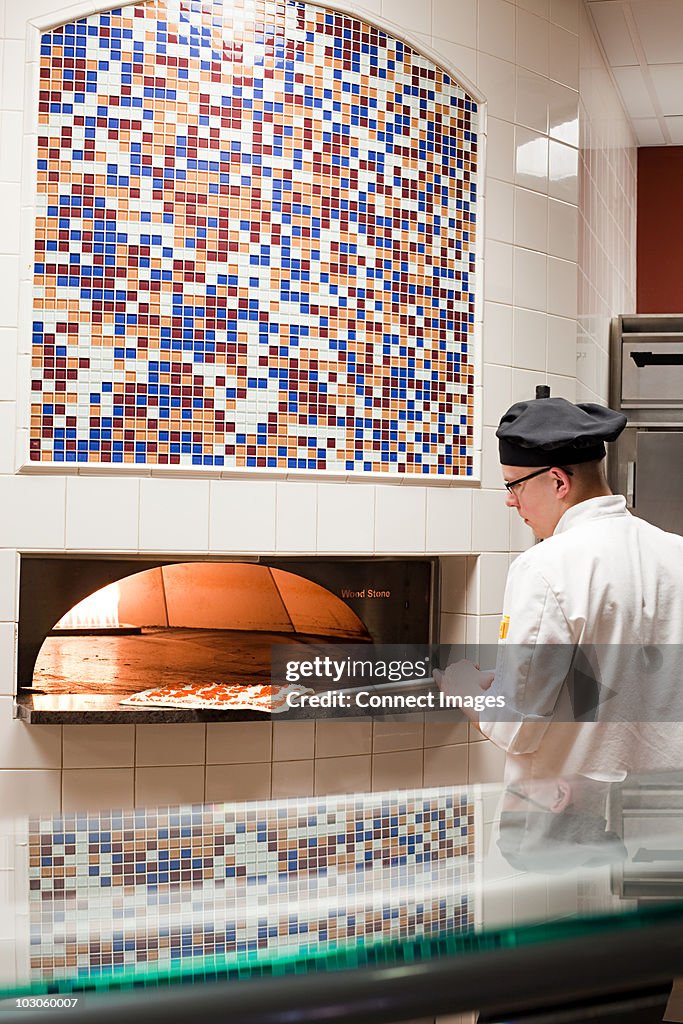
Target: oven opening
{"x": 94, "y": 632}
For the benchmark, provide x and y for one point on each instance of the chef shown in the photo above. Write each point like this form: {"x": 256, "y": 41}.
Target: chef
{"x": 586, "y": 657}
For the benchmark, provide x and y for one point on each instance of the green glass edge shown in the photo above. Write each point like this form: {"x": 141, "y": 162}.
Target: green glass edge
{"x": 369, "y": 954}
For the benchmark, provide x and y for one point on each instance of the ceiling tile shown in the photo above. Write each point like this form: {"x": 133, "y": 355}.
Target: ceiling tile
{"x": 648, "y": 131}
{"x": 660, "y": 27}
{"x": 613, "y": 32}
{"x": 675, "y": 126}
{"x": 633, "y": 89}
{"x": 668, "y": 82}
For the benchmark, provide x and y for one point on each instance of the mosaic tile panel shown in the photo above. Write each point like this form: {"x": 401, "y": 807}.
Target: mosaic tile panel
{"x": 122, "y": 891}
{"x": 254, "y": 244}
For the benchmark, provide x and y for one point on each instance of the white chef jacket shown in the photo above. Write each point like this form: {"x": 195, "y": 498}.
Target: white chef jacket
{"x": 605, "y": 577}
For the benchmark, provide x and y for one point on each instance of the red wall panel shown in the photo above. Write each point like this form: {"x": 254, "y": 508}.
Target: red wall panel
{"x": 660, "y": 230}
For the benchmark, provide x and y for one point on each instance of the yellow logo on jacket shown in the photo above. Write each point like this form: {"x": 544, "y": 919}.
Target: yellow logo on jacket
{"x": 504, "y": 625}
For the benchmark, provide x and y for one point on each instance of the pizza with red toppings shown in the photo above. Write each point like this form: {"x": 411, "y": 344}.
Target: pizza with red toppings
{"x": 218, "y": 697}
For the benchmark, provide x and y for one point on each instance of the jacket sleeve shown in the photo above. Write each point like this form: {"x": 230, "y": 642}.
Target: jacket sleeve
{"x": 533, "y": 662}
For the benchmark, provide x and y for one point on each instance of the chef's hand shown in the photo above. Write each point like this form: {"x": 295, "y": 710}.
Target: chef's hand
{"x": 463, "y": 678}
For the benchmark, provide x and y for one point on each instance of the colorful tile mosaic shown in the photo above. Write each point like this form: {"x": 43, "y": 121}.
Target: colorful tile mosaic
{"x": 119, "y": 890}
{"x": 254, "y": 244}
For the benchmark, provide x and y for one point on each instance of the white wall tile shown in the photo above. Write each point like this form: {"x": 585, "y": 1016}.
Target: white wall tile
{"x": 497, "y": 333}
{"x": 563, "y": 114}
{"x": 404, "y": 732}
{"x": 487, "y": 762}
{"x": 7, "y": 437}
{"x": 11, "y": 132}
{"x": 156, "y": 787}
{"x": 292, "y": 778}
{"x": 242, "y": 515}
{"x": 11, "y": 217}
{"x": 8, "y": 365}
{"x": 343, "y": 736}
{"x": 400, "y": 519}
{"x": 9, "y": 290}
{"x": 490, "y": 522}
{"x": 296, "y": 516}
{"x": 97, "y": 789}
{"x": 499, "y": 210}
{"x": 532, "y": 100}
{"x": 174, "y": 515}
{"x": 460, "y": 60}
{"x": 565, "y": 13}
{"x": 563, "y": 172}
{"x": 497, "y": 28}
{"x": 532, "y": 42}
{"x": 498, "y": 271}
{"x": 32, "y": 792}
{"x": 411, "y": 17}
{"x": 346, "y": 517}
{"x": 530, "y": 339}
{"x": 102, "y": 513}
{"x": 455, "y": 20}
{"x": 98, "y": 746}
{"x": 452, "y": 628}
{"x": 537, "y": 7}
{"x": 238, "y": 742}
{"x": 564, "y": 57}
{"x": 561, "y": 345}
{"x": 493, "y": 570}
{"x": 400, "y": 770}
{"x": 25, "y": 746}
{"x": 33, "y": 511}
{"x": 228, "y": 782}
{"x": 531, "y": 219}
{"x": 563, "y": 230}
{"x": 497, "y": 393}
{"x": 531, "y": 159}
{"x": 449, "y": 519}
{"x": 529, "y": 279}
{"x": 500, "y": 149}
{"x": 9, "y": 596}
{"x": 446, "y": 765}
{"x": 163, "y": 744}
{"x": 351, "y": 774}
{"x": 497, "y": 82}
{"x": 562, "y": 285}
{"x": 293, "y": 741}
{"x": 454, "y": 584}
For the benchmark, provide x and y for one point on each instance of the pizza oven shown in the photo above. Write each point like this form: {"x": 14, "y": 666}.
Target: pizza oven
{"x": 93, "y": 631}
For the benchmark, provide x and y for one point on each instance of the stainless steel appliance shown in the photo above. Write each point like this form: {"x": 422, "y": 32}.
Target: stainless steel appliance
{"x": 646, "y": 384}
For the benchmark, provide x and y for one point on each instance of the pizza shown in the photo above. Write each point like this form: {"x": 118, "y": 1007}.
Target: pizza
{"x": 217, "y": 697}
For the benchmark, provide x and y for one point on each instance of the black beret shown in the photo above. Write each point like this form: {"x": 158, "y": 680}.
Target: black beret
{"x": 553, "y": 431}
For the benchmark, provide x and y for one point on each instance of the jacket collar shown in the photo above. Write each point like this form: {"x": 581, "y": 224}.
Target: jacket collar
{"x": 593, "y": 508}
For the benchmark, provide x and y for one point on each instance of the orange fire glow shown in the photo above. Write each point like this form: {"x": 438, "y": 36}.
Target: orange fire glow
{"x": 100, "y": 609}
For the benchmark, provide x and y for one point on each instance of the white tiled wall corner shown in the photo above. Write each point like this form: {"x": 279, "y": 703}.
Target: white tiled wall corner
{"x": 174, "y": 515}
{"x": 497, "y": 334}
{"x": 493, "y": 569}
{"x": 454, "y": 585}
{"x": 102, "y": 513}
{"x": 530, "y": 339}
{"x": 242, "y": 515}
{"x": 497, "y": 393}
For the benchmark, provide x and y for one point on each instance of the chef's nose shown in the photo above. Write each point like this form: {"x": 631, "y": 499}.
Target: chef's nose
{"x": 511, "y": 500}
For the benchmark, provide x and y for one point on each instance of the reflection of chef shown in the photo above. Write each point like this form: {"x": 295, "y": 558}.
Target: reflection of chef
{"x": 600, "y": 577}
{"x": 554, "y": 825}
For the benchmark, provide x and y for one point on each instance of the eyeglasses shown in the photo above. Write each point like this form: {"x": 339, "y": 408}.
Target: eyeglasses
{"x": 510, "y": 484}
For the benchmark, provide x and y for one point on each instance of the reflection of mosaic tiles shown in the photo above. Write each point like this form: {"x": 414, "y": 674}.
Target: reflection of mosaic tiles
{"x": 254, "y": 244}
{"x": 113, "y": 890}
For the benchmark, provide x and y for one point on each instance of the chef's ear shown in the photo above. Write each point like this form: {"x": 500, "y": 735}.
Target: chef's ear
{"x": 561, "y": 479}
